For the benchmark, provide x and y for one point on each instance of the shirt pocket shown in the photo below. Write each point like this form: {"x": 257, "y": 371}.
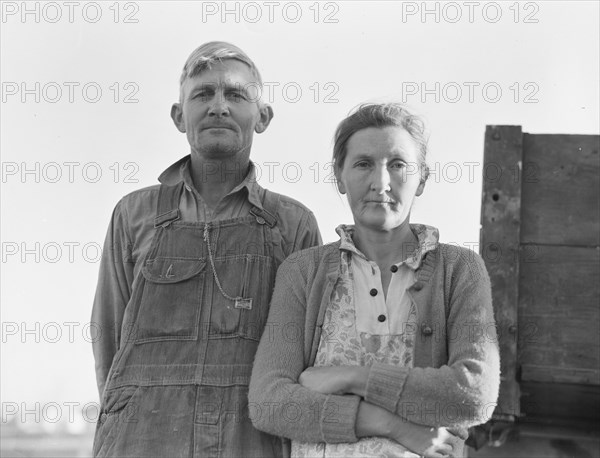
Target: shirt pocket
{"x": 252, "y": 277}
{"x": 171, "y": 300}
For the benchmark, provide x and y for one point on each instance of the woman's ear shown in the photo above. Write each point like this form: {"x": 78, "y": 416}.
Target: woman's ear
{"x": 338, "y": 180}
{"x": 420, "y": 188}
{"x": 424, "y": 176}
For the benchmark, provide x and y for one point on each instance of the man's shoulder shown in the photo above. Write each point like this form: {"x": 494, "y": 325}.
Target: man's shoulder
{"x": 149, "y": 192}
{"x": 285, "y": 203}
{"x": 137, "y": 209}
{"x": 141, "y": 200}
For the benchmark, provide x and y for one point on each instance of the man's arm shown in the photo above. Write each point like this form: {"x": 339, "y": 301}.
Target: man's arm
{"x": 308, "y": 234}
{"x": 112, "y": 293}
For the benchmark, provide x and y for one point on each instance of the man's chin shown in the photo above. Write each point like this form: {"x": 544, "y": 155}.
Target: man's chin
{"x": 220, "y": 150}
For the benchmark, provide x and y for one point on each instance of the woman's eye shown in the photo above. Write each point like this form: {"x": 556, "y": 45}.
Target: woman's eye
{"x": 398, "y": 165}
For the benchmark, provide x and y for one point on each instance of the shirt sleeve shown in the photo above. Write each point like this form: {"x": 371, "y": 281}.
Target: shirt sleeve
{"x": 463, "y": 392}
{"x": 112, "y": 293}
{"x": 308, "y": 234}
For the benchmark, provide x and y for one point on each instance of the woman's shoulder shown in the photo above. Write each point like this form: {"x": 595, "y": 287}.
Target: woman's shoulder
{"x": 313, "y": 256}
{"x": 461, "y": 260}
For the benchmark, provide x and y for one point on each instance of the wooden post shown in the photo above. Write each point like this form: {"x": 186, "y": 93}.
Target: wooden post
{"x": 499, "y": 247}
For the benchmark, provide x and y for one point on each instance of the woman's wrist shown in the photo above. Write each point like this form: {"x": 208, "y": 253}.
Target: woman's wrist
{"x": 357, "y": 382}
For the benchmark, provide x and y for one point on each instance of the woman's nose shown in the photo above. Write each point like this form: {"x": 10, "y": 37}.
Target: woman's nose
{"x": 380, "y": 180}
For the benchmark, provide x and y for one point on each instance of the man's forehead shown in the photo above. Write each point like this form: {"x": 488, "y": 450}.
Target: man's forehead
{"x": 229, "y": 71}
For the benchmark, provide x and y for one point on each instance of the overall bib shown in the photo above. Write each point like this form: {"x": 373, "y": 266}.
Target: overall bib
{"x": 178, "y": 384}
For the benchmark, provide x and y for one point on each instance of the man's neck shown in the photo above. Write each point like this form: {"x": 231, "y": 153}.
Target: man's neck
{"x": 214, "y": 179}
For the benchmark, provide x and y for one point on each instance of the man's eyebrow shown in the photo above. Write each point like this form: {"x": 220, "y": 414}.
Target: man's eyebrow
{"x": 227, "y": 86}
{"x": 235, "y": 87}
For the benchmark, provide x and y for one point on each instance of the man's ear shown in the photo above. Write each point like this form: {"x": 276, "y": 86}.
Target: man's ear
{"x": 177, "y": 117}
{"x": 266, "y": 114}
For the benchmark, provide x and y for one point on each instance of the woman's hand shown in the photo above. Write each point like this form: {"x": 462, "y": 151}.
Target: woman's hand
{"x": 335, "y": 379}
{"x": 427, "y": 441}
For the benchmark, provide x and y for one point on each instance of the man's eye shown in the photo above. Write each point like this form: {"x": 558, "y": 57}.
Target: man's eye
{"x": 362, "y": 164}
{"x": 236, "y": 96}
{"x": 398, "y": 165}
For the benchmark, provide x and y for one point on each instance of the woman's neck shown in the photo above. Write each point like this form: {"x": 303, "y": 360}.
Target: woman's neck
{"x": 386, "y": 247}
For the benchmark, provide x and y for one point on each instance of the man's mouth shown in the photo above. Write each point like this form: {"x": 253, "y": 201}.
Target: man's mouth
{"x": 218, "y": 126}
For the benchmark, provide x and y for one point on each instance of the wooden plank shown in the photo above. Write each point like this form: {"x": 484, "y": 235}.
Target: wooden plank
{"x": 559, "y": 315}
{"x": 499, "y": 246}
{"x": 552, "y": 374}
{"x": 561, "y": 189}
{"x": 560, "y": 403}
{"x": 532, "y": 440}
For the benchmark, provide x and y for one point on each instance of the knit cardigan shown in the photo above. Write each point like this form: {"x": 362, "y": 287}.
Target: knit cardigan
{"x": 456, "y": 375}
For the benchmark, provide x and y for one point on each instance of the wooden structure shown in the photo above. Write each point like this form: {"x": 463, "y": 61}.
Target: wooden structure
{"x": 540, "y": 229}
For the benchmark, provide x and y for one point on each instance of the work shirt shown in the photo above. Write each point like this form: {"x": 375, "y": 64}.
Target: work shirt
{"x": 376, "y": 313}
{"x": 173, "y": 339}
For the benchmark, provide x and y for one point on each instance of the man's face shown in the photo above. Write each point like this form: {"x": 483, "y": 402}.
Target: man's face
{"x": 219, "y": 111}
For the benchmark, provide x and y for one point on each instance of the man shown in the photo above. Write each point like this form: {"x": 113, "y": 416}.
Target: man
{"x": 186, "y": 279}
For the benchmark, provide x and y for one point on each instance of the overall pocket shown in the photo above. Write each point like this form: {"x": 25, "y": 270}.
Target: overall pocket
{"x": 170, "y": 304}
{"x": 251, "y": 277}
{"x": 118, "y": 410}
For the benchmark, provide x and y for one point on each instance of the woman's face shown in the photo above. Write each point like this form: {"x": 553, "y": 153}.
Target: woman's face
{"x": 381, "y": 176}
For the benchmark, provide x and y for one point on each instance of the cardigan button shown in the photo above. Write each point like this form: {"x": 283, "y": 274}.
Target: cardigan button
{"x": 394, "y": 268}
{"x": 426, "y": 330}
{"x": 418, "y": 286}
{"x": 381, "y": 318}
{"x": 373, "y": 292}
{"x": 103, "y": 417}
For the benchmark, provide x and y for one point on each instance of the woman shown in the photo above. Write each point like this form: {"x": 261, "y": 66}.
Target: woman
{"x": 378, "y": 342}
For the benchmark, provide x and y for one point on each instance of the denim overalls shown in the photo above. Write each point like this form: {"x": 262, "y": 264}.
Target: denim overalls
{"x": 178, "y": 384}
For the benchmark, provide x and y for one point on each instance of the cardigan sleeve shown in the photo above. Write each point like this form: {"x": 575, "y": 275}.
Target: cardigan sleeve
{"x": 278, "y": 403}
{"x": 463, "y": 392}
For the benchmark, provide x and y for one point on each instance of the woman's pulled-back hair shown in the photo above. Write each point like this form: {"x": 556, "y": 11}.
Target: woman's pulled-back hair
{"x": 380, "y": 115}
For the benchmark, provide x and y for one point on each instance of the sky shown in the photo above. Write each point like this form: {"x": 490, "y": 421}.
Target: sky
{"x": 87, "y": 89}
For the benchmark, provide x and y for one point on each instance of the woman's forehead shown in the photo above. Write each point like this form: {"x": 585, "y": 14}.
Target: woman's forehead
{"x": 382, "y": 142}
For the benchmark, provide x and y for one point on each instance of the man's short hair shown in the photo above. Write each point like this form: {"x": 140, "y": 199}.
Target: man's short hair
{"x": 208, "y": 54}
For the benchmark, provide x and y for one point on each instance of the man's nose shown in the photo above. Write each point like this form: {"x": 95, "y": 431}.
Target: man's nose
{"x": 218, "y": 106}
{"x": 380, "y": 180}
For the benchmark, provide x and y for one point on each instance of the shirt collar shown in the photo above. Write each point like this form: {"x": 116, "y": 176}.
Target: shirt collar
{"x": 428, "y": 240}
{"x": 180, "y": 171}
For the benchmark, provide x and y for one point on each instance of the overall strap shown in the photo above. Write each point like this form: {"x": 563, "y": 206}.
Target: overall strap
{"x": 267, "y": 215}
{"x": 167, "y": 207}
